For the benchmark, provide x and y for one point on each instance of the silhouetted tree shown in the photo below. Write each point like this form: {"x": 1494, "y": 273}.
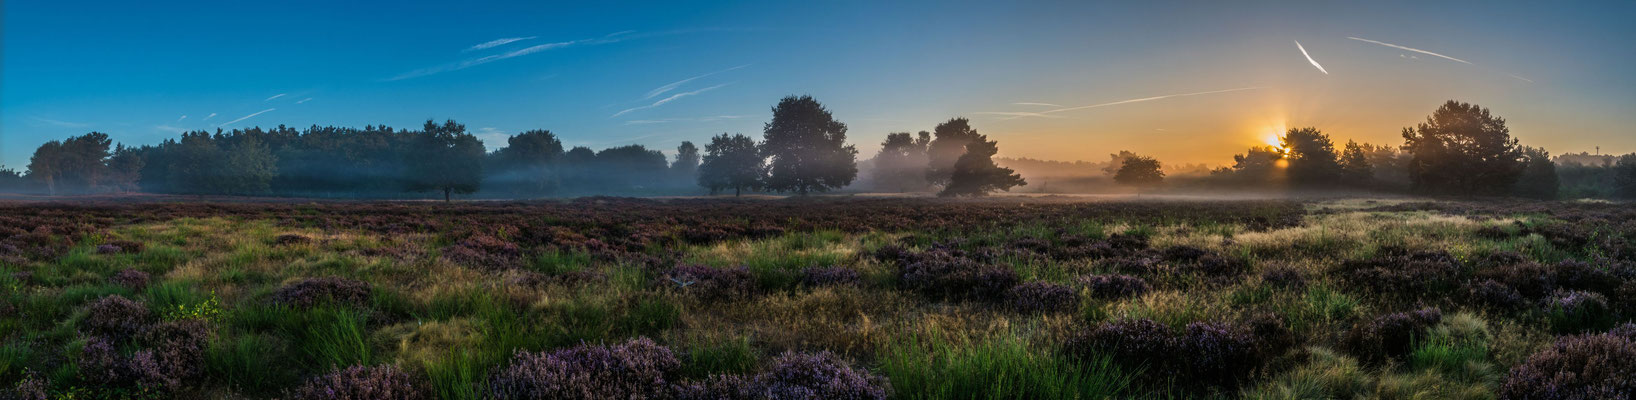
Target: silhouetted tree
{"x": 529, "y": 159}
{"x": 125, "y": 169}
{"x": 577, "y": 168}
{"x": 1258, "y": 166}
{"x": 949, "y": 142}
{"x": 246, "y": 168}
{"x": 1624, "y": 177}
{"x": 45, "y": 166}
{"x": 630, "y": 168}
{"x": 686, "y": 166}
{"x": 807, "y": 148}
{"x": 1538, "y": 178}
{"x": 975, "y": 173}
{"x": 445, "y": 158}
{"x": 1389, "y": 164}
{"x": 195, "y": 164}
{"x": 1462, "y": 149}
{"x": 901, "y": 163}
{"x": 1355, "y": 169}
{"x": 732, "y": 162}
{"x": 1115, "y": 161}
{"x": 1140, "y": 172}
{"x": 1311, "y": 155}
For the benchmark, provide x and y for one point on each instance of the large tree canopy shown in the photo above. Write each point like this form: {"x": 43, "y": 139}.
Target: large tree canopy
{"x": 807, "y": 148}
{"x": 1462, "y": 149}
{"x": 445, "y": 158}
{"x": 949, "y": 142}
{"x": 732, "y": 162}
{"x": 975, "y": 173}
{"x": 901, "y": 164}
{"x": 1311, "y": 155}
{"x": 1139, "y": 171}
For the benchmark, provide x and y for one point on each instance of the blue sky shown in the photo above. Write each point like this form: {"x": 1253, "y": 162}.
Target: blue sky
{"x": 658, "y": 73}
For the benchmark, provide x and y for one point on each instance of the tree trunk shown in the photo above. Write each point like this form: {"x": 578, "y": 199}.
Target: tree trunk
{"x": 446, "y": 195}
{"x": 737, "y": 190}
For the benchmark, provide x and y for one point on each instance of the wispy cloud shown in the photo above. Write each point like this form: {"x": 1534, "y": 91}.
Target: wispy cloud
{"x": 303, "y": 100}
{"x": 497, "y": 42}
{"x": 1037, "y": 104}
{"x": 712, "y": 118}
{"x": 168, "y": 128}
{"x": 491, "y": 137}
{"x": 1409, "y": 49}
{"x": 182, "y": 118}
{"x": 667, "y": 100}
{"x": 245, "y": 117}
{"x": 208, "y": 117}
{"x": 1309, "y": 58}
{"x": 502, "y": 56}
{"x": 673, "y": 85}
{"x": 60, "y": 124}
{"x": 275, "y": 96}
{"x": 1520, "y": 78}
{"x": 1019, "y": 114}
{"x": 1047, "y": 113}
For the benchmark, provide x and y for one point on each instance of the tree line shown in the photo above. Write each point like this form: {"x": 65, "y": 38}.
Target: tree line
{"x": 1461, "y": 149}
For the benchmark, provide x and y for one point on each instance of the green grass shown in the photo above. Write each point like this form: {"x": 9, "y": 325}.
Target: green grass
{"x": 701, "y": 359}
{"x": 1000, "y": 368}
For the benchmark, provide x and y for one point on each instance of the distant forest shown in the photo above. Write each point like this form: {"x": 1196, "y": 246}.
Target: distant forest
{"x": 1460, "y": 150}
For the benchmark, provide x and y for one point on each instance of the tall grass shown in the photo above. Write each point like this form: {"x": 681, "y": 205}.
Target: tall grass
{"x": 929, "y": 367}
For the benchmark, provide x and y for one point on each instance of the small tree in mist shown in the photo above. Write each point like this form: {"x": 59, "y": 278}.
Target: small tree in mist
{"x": 444, "y": 158}
{"x": 975, "y": 173}
{"x": 1462, "y": 149}
{"x": 732, "y": 162}
{"x": 1311, "y": 155}
{"x": 949, "y": 142}
{"x": 531, "y": 158}
{"x": 248, "y": 167}
{"x": 1538, "y": 179}
{"x": 44, "y": 165}
{"x": 686, "y": 166}
{"x": 1624, "y": 177}
{"x": 1115, "y": 161}
{"x": 901, "y": 163}
{"x": 1355, "y": 169}
{"x": 807, "y": 148}
{"x": 1140, "y": 172}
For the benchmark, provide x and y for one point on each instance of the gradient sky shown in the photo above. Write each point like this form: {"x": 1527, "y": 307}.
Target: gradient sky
{"x": 1562, "y": 73}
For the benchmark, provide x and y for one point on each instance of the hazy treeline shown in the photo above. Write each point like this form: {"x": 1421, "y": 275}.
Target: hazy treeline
{"x": 1461, "y": 149}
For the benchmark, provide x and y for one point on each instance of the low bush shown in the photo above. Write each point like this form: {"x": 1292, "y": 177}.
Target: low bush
{"x": 130, "y": 279}
{"x": 950, "y": 275}
{"x": 1110, "y": 287}
{"x": 363, "y": 383}
{"x": 1202, "y": 357}
{"x": 821, "y": 375}
{"x": 1598, "y": 366}
{"x": 1035, "y": 297}
{"x": 1494, "y": 295}
{"x": 1577, "y": 311}
{"x": 310, "y": 292}
{"x": 1390, "y": 336}
{"x": 1002, "y": 368}
{"x": 830, "y": 276}
{"x": 704, "y": 282}
{"x": 115, "y": 316}
{"x": 1284, "y": 277}
{"x": 1403, "y": 275}
{"x": 174, "y": 354}
{"x": 635, "y": 369}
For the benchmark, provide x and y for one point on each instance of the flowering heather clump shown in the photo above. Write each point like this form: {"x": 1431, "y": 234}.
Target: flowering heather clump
{"x": 1491, "y": 293}
{"x": 1033, "y": 297}
{"x": 130, "y": 279}
{"x": 1403, "y": 274}
{"x": 1201, "y": 356}
{"x": 108, "y": 249}
{"x": 1213, "y": 265}
{"x": 1577, "y": 367}
{"x": 1577, "y": 311}
{"x": 1183, "y": 253}
{"x": 1134, "y": 342}
{"x": 831, "y": 276}
{"x": 116, "y": 316}
{"x": 1217, "y": 354}
{"x": 290, "y": 239}
{"x": 174, "y": 354}
{"x": 486, "y": 252}
{"x": 1528, "y": 278}
{"x": 1109, "y": 287}
{"x": 710, "y": 283}
{"x": 310, "y": 292}
{"x": 31, "y": 387}
{"x": 1578, "y": 275}
{"x": 815, "y": 376}
{"x": 1134, "y": 265}
{"x": 1390, "y": 335}
{"x": 942, "y": 273}
{"x": 1284, "y": 277}
{"x": 633, "y": 370}
{"x": 100, "y": 362}
{"x": 362, "y": 383}
{"x": 125, "y": 246}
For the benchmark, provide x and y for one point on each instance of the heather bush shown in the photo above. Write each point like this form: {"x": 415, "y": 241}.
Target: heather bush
{"x": 1134, "y": 343}
{"x": 1581, "y": 367}
{"x": 108, "y": 249}
{"x": 1493, "y": 294}
{"x": 130, "y": 279}
{"x": 363, "y": 383}
{"x": 1216, "y": 266}
{"x": 794, "y": 376}
{"x": 1034, "y": 297}
{"x": 1202, "y": 357}
{"x": 310, "y": 292}
{"x": 1109, "y": 287}
{"x": 1390, "y": 336}
{"x": 31, "y": 387}
{"x": 635, "y": 369}
{"x": 99, "y": 361}
{"x": 116, "y": 316}
{"x": 485, "y": 252}
{"x": 1579, "y": 275}
{"x": 1401, "y": 274}
{"x": 830, "y": 276}
{"x": 1284, "y": 277}
{"x": 709, "y": 283}
{"x": 945, "y": 274}
{"x": 1182, "y": 253}
{"x": 1528, "y": 278}
{"x": 173, "y": 354}
{"x": 1577, "y": 311}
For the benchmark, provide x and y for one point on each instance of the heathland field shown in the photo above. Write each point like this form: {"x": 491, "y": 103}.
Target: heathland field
{"x": 824, "y": 298}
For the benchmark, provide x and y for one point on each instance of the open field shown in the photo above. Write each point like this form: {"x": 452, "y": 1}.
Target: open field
{"x": 1051, "y": 297}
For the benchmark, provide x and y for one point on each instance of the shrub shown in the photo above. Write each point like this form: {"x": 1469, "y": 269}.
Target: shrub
{"x": 31, "y": 387}
{"x": 1217, "y": 354}
{"x": 485, "y": 252}
{"x": 1579, "y": 275}
{"x": 310, "y": 292}
{"x": 1183, "y": 253}
{"x": 1530, "y": 279}
{"x": 1217, "y": 266}
{"x": 1109, "y": 287}
{"x": 830, "y": 276}
{"x": 1135, "y": 343}
{"x": 1204, "y": 355}
{"x": 1493, "y": 294}
{"x": 100, "y": 362}
{"x": 1403, "y": 274}
{"x": 1390, "y": 336}
{"x": 116, "y": 316}
{"x": 108, "y": 249}
{"x": 947, "y": 274}
{"x": 363, "y": 383}
{"x": 174, "y": 354}
{"x": 635, "y": 369}
{"x": 130, "y": 279}
{"x": 1038, "y": 296}
{"x": 1577, "y": 311}
{"x": 1576, "y": 367}
{"x": 817, "y": 376}
{"x": 1284, "y": 277}
{"x": 710, "y": 283}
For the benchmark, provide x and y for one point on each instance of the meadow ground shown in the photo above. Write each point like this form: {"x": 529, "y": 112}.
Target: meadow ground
{"x": 818, "y": 298}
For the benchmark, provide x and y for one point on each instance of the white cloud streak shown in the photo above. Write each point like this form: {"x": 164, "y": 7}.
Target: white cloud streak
{"x": 1409, "y": 49}
{"x": 208, "y": 117}
{"x": 497, "y": 57}
{"x": 497, "y": 43}
{"x": 275, "y": 96}
{"x": 1037, "y": 104}
{"x": 1019, "y": 114}
{"x": 61, "y": 124}
{"x": 1520, "y": 78}
{"x": 244, "y": 117}
{"x": 1309, "y": 58}
{"x": 182, "y": 118}
{"x": 673, "y": 85}
{"x": 303, "y": 100}
{"x": 713, "y": 118}
{"x": 666, "y": 100}
{"x": 1047, "y": 113}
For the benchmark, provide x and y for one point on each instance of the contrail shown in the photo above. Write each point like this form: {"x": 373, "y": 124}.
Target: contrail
{"x": 1149, "y": 99}
{"x": 1409, "y": 49}
{"x": 245, "y": 117}
{"x": 1309, "y": 58}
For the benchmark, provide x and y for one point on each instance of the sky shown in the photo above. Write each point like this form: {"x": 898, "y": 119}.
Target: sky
{"x": 1186, "y": 82}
